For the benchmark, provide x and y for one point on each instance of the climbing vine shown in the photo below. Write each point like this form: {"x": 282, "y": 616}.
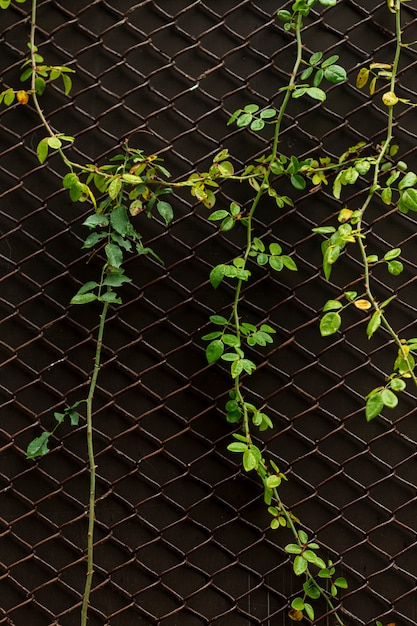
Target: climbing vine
{"x": 133, "y": 184}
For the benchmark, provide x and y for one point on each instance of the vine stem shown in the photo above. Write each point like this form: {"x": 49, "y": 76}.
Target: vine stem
{"x": 259, "y": 194}
{"x": 377, "y": 172}
{"x": 235, "y": 310}
{"x": 97, "y": 359}
{"x": 92, "y": 466}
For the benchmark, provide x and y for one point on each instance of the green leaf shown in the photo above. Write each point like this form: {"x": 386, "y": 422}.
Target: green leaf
{"x": 298, "y": 182}
{"x": 67, "y": 82}
{"x": 42, "y": 150}
{"x": 397, "y": 384}
{"x": 218, "y": 319}
{"x": 335, "y": 74}
{"x": 330, "y": 324}
{"x": 236, "y": 367}
{"x": 95, "y": 220}
{"x": 250, "y": 462}
{"x": 114, "y": 187}
{"x": 244, "y": 120}
{"x": 274, "y": 481}
{"x": 69, "y": 180}
{"x": 289, "y": 263}
{"x": 275, "y": 249}
{"x": 374, "y": 406}
{"x": 54, "y": 142}
{"x": 83, "y": 298}
{"x": 74, "y": 417}
{"x": 408, "y": 201}
{"x": 316, "y": 93}
{"x": 165, "y": 211}
{"x": 40, "y": 85}
{"x": 257, "y": 125}
{"x": 300, "y": 565}
{"x": 350, "y": 295}
{"x": 267, "y": 114}
{"x": 297, "y": 604}
{"x": 231, "y": 340}
{"x": 312, "y": 558}
{"x": 276, "y": 263}
{"x": 237, "y": 446}
{"x": 59, "y": 417}
{"x": 114, "y": 255}
{"x": 306, "y": 73}
{"x": 323, "y": 230}
{"x": 116, "y": 279}
{"x": 293, "y": 548}
{"x": 318, "y": 77}
{"x": 120, "y": 221}
{"x": 110, "y": 296}
{"x": 39, "y": 446}
{"x": 315, "y": 58}
{"x": 217, "y": 275}
{"x": 307, "y": 607}
{"x": 214, "y": 350}
{"x": 389, "y": 398}
{"x": 409, "y": 180}
{"x": 312, "y": 590}
{"x": 332, "y": 305}
{"x": 341, "y": 583}
{"x": 284, "y": 16}
{"x": 92, "y": 239}
{"x": 262, "y": 259}
{"x": 392, "y": 254}
{"x": 373, "y": 324}
{"x": 210, "y": 336}
{"x": 395, "y": 267}
{"x": 91, "y": 284}
{"x": 218, "y": 215}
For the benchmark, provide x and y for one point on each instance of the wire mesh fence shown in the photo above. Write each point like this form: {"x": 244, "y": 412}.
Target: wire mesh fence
{"x": 183, "y": 537}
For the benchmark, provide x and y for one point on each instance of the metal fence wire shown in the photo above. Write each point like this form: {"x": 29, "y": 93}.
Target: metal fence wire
{"x": 182, "y": 535}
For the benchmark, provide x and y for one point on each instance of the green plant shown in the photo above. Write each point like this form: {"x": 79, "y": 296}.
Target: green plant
{"x": 133, "y": 184}
{"x": 390, "y": 183}
{"x": 233, "y": 336}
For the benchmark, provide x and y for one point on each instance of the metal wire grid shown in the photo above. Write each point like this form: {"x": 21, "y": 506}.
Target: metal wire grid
{"x": 182, "y": 536}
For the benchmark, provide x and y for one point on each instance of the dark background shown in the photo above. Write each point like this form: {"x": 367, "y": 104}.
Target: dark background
{"x": 182, "y": 535}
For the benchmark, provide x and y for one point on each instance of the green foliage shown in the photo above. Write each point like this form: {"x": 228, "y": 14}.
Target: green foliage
{"x": 132, "y": 184}
{"x": 4, "y": 4}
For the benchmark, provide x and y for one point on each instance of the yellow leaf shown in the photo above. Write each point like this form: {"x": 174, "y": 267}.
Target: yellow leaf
{"x": 295, "y": 615}
{"x": 362, "y": 78}
{"x": 22, "y": 96}
{"x": 389, "y": 99}
{"x": 345, "y": 215}
{"x": 363, "y": 305}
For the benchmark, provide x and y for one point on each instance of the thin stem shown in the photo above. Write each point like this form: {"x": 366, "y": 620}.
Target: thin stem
{"x": 265, "y": 182}
{"x": 237, "y": 298}
{"x": 377, "y": 172}
{"x": 92, "y": 467}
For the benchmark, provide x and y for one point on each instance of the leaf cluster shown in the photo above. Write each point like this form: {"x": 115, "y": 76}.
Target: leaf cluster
{"x": 301, "y": 8}
{"x": 4, "y": 4}
{"x": 305, "y": 553}
{"x": 39, "y": 446}
{"x": 35, "y": 67}
{"x": 202, "y": 183}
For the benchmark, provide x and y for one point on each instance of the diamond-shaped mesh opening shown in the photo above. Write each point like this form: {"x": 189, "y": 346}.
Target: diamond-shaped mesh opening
{"x": 182, "y": 536}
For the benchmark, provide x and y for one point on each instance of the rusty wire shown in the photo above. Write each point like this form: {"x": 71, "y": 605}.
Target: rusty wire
{"x": 182, "y": 536}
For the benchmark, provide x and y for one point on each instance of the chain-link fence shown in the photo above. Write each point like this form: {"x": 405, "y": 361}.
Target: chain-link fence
{"x": 182, "y": 536}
